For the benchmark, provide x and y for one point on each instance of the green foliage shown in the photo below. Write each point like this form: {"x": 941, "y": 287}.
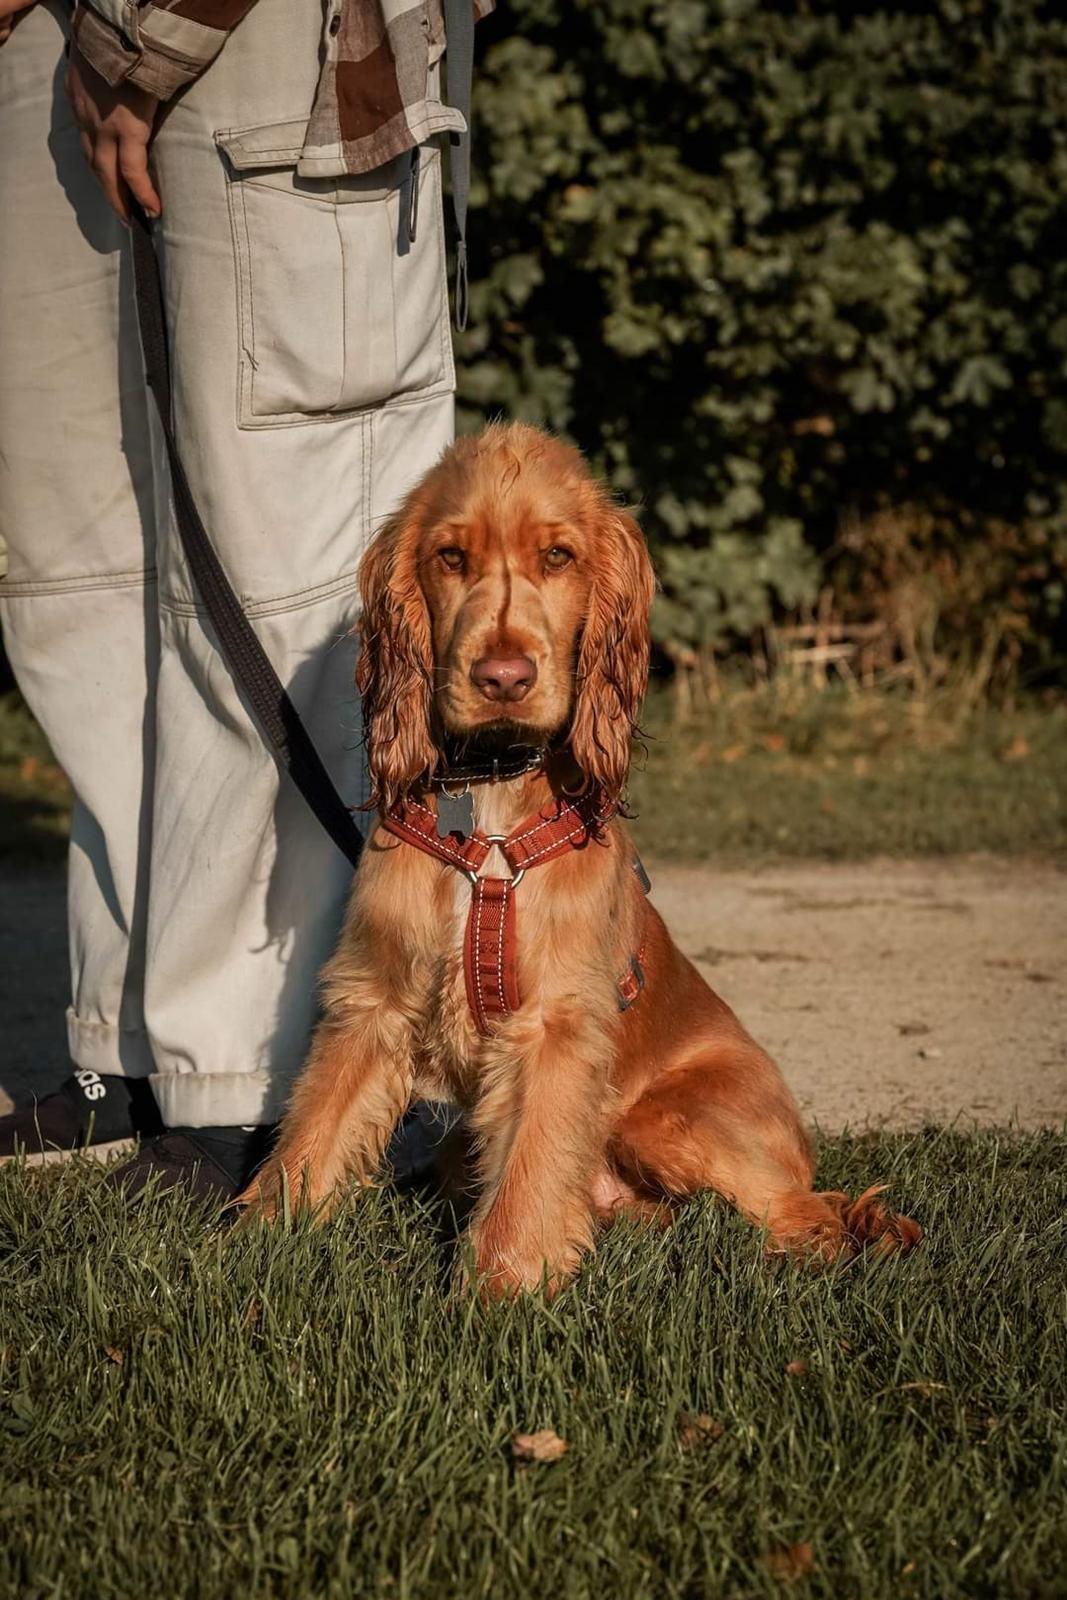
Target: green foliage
{"x": 772, "y": 264}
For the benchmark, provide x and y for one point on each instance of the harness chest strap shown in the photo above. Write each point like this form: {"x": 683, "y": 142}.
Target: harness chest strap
{"x": 490, "y": 944}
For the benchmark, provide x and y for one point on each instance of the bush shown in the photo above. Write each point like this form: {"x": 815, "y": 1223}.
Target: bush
{"x": 780, "y": 270}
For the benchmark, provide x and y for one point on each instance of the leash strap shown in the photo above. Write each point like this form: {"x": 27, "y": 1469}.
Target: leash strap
{"x": 459, "y": 45}
{"x": 248, "y": 662}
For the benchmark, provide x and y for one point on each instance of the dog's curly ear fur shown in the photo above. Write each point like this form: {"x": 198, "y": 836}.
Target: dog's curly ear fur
{"x": 612, "y": 671}
{"x": 394, "y": 674}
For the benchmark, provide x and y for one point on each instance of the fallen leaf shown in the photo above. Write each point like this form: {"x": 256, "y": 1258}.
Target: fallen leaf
{"x": 908, "y": 1567}
{"x": 791, "y": 1562}
{"x": 925, "y": 1386}
{"x": 1018, "y": 750}
{"x": 797, "y": 1369}
{"x": 543, "y": 1446}
{"x": 696, "y": 1429}
{"x": 253, "y": 1311}
{"x": 774, "y": 742}
{"x": 701, "y": 754}
{"x": 732, "y": 753}
{"x": 114, "y": 1354}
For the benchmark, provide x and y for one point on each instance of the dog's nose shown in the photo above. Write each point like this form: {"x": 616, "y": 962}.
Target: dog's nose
{"x": 504, "y": 678}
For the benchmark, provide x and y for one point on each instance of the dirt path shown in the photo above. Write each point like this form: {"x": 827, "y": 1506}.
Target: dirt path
{"x": 891, "y": 992}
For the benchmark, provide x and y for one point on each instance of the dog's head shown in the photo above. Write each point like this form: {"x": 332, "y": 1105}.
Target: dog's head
{"x": 506, "y": 601}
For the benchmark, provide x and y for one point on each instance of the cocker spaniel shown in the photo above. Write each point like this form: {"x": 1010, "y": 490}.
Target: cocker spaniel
{"x": 500, "y": 951}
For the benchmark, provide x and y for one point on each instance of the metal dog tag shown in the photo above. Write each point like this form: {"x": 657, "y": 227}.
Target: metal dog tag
{"x": 455, "y": 814}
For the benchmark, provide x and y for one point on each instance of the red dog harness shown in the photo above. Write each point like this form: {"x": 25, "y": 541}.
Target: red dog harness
{"x": 490, "y": 945}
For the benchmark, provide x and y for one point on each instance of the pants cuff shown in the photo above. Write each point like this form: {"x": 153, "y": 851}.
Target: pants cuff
{"x": 108, "y": 1049}
{"x": 217, "y": 1099}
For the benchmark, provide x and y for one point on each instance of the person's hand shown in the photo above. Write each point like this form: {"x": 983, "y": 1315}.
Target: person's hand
{"x": 116, "y": 126}
{"x": 11, "y": 14}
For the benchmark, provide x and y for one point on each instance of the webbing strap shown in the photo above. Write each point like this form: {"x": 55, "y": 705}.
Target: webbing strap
{"x": 459, "y": 58}
{"x": 247, "y": 660}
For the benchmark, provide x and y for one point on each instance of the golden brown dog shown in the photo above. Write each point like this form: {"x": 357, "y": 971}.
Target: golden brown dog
{"x": 513, "y": 964}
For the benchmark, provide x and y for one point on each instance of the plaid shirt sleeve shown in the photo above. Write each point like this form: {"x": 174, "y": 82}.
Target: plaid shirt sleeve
{"x": 377, "y": 92}
{"x": 159, "y": 46}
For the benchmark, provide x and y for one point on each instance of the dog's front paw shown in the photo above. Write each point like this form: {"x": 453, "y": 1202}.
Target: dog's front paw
{"x": 263, "y": 1196}
{"x": 499, "y": 1273}
{"x": 281, "y": 1187}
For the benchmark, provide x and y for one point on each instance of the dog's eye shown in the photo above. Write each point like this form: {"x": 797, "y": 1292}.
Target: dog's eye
{"x": 557, "y": 558}
{"x": 453, "y": 558}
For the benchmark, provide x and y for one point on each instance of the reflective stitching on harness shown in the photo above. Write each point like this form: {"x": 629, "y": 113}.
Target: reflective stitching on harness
{"x": 437, "y": 846}
{"x": 505, "y": 1008}
{"x": 553, "y": 844}
{"x": 477, "y": 902}
{"x": 545, "y": 822}
{"x": 417, "y": 824}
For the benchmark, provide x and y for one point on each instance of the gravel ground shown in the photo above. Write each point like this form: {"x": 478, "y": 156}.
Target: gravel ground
{"x": 892, "y": 993}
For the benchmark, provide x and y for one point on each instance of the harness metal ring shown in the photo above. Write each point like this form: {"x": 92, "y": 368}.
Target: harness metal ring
{"x": 502, "y": 838}
{"x": 474, "y": 878}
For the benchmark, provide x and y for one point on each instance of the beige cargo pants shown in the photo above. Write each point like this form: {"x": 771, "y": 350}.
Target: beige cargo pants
{"x": 313, "y": 384}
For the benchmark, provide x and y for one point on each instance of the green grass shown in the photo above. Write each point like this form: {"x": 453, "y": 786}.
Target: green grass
{"x": 315, "y": 1413}
{"x": 783, "y": 772}
{"x": 775, "y": 773}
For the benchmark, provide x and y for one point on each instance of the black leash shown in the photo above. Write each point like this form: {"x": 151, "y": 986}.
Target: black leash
{"x": 459, "y": 61}
{"x": 247, "y": 660}
{"x": 245, "y": 656}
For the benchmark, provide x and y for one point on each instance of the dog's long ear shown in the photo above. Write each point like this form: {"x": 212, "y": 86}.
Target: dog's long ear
{"x": 612, "y": 671}
{"x": 394, "y": 674}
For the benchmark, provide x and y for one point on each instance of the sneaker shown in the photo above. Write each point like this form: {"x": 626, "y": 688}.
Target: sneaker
{"x": 209, "y": 1164}
{"x": 421, "y": 1143}
{"x": 91, "y": 1111}
{"x": 214, "y": 1164}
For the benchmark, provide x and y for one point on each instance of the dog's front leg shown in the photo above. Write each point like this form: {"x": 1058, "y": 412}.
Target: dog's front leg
{"x": 540, "y": 1123}
{"x": 357, "y": 1081}
{"x": 351, "y": 1094}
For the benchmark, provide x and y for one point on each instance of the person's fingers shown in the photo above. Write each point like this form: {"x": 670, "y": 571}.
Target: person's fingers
{"x": 105, "y": 164}
{"x": 11, "y": 14}
{"x": 86, "y": 146}
{"x": 133, "y": 166}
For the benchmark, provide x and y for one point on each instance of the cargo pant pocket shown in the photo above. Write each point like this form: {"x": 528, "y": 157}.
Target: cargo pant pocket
{"x": 335, "y": 317}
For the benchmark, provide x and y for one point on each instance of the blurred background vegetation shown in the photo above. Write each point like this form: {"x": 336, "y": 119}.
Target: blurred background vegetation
{"x": 795, "y": 277}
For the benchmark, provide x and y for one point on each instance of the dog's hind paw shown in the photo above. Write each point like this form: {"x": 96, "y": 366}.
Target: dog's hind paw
{"x": 871, "y": 1224}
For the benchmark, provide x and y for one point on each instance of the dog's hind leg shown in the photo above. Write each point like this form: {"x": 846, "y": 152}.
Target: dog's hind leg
{"x": 727, "y": 1122}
